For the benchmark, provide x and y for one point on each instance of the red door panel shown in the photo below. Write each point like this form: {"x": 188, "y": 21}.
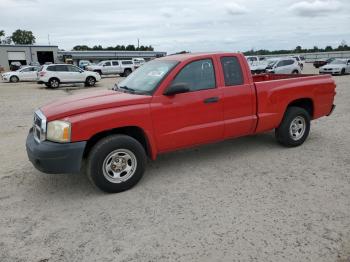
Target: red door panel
{"x": 187, "y": 119}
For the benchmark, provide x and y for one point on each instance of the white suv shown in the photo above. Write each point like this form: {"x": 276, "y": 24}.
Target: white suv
{"x": 112, "y": 67}
{"x": 283, "y": 66}
{"x": 55, "y": 74}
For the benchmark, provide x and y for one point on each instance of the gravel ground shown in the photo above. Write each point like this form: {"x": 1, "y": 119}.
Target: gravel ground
{"x": 247, "y": 199}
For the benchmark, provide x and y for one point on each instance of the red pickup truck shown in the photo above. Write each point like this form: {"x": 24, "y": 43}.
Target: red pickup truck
{"x": 171, "y": 103}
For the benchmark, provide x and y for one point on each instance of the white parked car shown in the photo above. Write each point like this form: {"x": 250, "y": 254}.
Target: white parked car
{"x": 283, "y": 66}
{"x": 300, "y": 60}
{"x": 28, "y": 73}
{"x": 138, "y": 62}
{"x": 55, "y": 74}
{"x": 112, "y": 67}
{"x": 336, "y": 67}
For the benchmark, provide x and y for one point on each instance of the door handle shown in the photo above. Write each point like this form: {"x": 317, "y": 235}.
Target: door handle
{"x": 209, "y": 100}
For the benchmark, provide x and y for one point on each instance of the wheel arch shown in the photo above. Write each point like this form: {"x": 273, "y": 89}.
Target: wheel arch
{"x": 305, "y": 103}
{"x": 133, "y": 131}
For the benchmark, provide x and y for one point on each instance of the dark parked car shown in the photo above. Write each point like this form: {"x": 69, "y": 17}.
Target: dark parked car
{"x": 322, "y": 62}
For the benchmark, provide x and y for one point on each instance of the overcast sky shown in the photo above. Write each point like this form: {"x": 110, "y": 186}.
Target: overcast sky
{"x": 205, "y": 25}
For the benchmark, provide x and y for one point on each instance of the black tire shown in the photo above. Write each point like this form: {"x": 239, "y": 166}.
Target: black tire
{"x": 14, "y": 79}
{"x": 99, "y": 72}
{"x": 342, "y": 72}
{"x": 54, "y": 83}
{"x": 47, "y": 85}
{"x": 90, "y": 81}
{"x": 295, "y": 72}
{"x": 127, "y": 72}
{"x": 285, "y": 132}
{"x": 107, "y": 148}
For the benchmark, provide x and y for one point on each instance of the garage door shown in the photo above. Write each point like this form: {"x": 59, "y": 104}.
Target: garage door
{"x": 16, "y": 56}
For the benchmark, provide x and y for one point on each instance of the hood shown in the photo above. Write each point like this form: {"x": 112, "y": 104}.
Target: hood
{"x": 91, "y": 101}
{"x": 332, "y": 66}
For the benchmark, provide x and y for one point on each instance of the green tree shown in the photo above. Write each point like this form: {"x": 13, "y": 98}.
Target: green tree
{"x": 298, "y": 49}
{"x": 2, "y": 33}
{"x": 328, "y": 48}
{"x": 23, "y": 37}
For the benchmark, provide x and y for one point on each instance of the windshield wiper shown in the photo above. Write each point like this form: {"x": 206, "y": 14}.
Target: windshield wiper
{"x": 130, "y": 90}
{"x": 125, "y": 88}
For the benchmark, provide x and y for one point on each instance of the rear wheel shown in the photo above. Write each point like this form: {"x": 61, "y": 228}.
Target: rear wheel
{"x": 294, "y": 128}
{"x": 90, "y": 81}
{"x": 116, "y": 163}
{"x": 14, "y": 79}
{"x": 54, "y": 83}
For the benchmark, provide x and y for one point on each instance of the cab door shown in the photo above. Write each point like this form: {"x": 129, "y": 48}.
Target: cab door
{"x": 116, "y": 67}
{"x": 107, "y": 67}
{"x": 190, "y": 118}
{"x": 238, "y": 98}
{"x": 76, "y": 74}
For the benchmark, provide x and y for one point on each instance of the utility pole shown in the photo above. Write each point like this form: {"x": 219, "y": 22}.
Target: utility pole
{"x": 138, "y": 43}
{"x": 48, "y": 38}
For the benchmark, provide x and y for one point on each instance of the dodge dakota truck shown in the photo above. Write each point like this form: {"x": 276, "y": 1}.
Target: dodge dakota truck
{"x": 168, "y": 104}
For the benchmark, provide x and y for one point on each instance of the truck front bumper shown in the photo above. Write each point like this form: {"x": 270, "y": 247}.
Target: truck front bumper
{"x": 55, "y": 158}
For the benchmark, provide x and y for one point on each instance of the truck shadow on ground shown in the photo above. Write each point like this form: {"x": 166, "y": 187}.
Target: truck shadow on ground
{"x": 78, "y": 184}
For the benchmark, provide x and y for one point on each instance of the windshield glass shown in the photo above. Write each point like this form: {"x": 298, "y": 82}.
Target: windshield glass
{"x": 271, "y": 62}
{"x": 338, "y": 62}
{"x": 101, "y": 63}
{"x": 146, "y": 78}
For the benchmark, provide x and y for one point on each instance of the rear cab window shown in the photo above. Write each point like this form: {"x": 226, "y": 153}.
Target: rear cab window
{"x": 232, "y": 71}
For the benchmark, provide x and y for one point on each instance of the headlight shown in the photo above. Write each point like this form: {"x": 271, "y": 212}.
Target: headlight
{"x": 58, "y": 131}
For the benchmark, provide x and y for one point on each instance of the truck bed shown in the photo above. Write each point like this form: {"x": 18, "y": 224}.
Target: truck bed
{"x": 273, "y": 90}
{"x": 271, "y": 77}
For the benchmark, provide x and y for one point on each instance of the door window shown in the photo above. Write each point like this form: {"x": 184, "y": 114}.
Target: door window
{"x": 232, "y": 71}
{"x": 61, "y": 68}
{"x": 115, "y": 63}
{"x": 73, "y": 69}
{"x": 107, "y": 64}
{"x": 198, "y": 75}
{"x": 29, "y": 69}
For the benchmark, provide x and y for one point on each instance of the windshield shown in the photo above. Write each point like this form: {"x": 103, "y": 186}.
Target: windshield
{"x": 146, "y": 78}
{"x": 271, "y": 63}
{"x": 338, "y": 62}
{"x": 101, "y": 63}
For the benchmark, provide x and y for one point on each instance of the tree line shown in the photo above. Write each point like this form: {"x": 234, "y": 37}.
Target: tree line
{"x": 18, "y": 37}
{"x": 113, "y": 48}
{"x": 298, "y": 50}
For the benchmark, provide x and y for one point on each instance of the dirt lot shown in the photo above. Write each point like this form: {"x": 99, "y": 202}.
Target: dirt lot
{"x": 241, "y": 200}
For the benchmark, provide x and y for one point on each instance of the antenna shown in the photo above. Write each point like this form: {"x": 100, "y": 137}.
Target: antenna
{"x": 48, "y": 38}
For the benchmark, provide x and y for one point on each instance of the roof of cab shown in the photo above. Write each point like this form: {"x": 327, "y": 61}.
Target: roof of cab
{"x": 183, "y": 57}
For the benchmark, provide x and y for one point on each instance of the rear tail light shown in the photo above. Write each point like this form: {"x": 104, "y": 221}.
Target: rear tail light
{"x": 41, "y": 74}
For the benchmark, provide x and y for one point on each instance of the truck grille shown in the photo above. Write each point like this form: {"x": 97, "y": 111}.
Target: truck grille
{"x": 39, "y": 126}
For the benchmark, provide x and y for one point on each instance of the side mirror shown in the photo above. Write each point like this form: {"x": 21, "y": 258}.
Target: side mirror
{"x": 176, "y": 88}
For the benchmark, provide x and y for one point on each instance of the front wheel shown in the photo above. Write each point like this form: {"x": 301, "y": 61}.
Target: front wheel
{"x": 295, "y": 72}
{"x": 90, "y": 81}
{"x": 342, "y": 72}
{"x": 294, "y": 128}
{"x": 14, "y": 79}
{"x": 127, "y": 72}
{"x": 116, "y": 163}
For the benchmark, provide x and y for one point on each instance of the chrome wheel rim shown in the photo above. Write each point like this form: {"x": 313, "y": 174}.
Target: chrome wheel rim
{"x": 297, "y": 128}
{"x": 91, "y": 81}
{"x": 54, "y": 83}
{"x": 119, "y": 166}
